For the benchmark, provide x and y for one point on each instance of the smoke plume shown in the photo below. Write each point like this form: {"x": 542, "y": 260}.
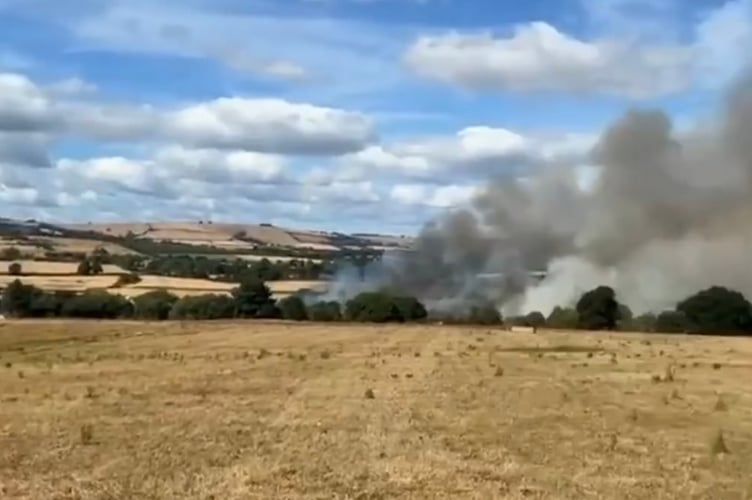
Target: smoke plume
{"x": 669, "y": 214}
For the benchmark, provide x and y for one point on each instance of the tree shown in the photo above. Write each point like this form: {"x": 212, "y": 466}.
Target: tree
{"x": 625, "y": 317}
{"x": 486, "y": 314}
{"x": 598, "y": 309}
{"x": 671, "y": 322}
{"x": 10, "y": 253}
{"x": 410, "y": 308}
{"x": 293, "y": 308}
{"x": 17, "y": 299}
{"x": 97, "y": 304}
{"x": 325, "y": 311}
{"x": 534, "y": 319}
{"x": 89, "y": 266}
{"x": 253, "y": 299}
{"x": 717, "y": 310}
{"x": 564, "y": 318}
{"x": 373, "y": 307}
{"x": 154, "y": 305}
{"x": 15, "y": 269}
{"x": 209, "y": 306}
{"x": 642, "y": 323}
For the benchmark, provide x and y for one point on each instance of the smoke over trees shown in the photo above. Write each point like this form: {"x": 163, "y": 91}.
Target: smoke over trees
{"x": 668, "y": 214}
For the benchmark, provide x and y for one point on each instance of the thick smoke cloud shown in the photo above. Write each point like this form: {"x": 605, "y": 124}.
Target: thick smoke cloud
{"x": 670, "y": 213}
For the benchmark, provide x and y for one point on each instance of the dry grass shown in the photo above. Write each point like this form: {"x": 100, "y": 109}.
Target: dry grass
{"x": 71, "y": 283}
{"x": 44, "y": 267}
{"x": 236, "y": 410}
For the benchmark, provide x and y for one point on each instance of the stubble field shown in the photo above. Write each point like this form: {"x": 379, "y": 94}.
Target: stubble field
{"x": 235, "y": 410}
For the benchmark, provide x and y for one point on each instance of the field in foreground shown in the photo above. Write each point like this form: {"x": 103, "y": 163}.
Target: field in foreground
{"x": 238, "y": 410}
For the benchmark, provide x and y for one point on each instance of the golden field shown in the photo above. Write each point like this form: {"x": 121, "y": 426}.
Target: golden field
{"x": 236, "y": 410}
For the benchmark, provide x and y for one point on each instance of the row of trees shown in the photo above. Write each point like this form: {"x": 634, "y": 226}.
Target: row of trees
{"x": 252, "y": 299}
{"x": 716, "y": 310}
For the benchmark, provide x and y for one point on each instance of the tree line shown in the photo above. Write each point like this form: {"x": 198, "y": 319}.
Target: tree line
{"x": 715, "y": 310}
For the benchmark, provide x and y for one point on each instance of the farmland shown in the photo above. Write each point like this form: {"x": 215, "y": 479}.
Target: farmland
{"x": 275, "y": 410}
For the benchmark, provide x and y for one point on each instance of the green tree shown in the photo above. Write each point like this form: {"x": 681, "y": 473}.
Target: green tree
{"x": 373, "y": 307}
{"x": 198, "y": 307}
{"x": 717, "y": 310}
{"x": 97, "y": 304}
{"x": 410, "y": 308}
{"x": 10, "y": 253}
{"x": 325, "y": 311}
{"x": 598, "y": 309}
{"x": 17, "y": 299}
{"x": 253, "y": 299}
{"x": 154, "y": 305}
{"x": 15, "y": 269}
{"x": 671, "y": 322}
{"x": 293, "y": 308}
{"x": 486, "y": 314}
{"x": 564, "y": 318}
{"x": 642, "y": 323}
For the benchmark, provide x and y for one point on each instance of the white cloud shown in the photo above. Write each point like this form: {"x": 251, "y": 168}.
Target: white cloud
{"x": 270, "y": 125}
{"x": 24, "y": 107}
{"x": 538, "y": 57}
{"x": 433, "y": 196}
{"x": 220, "y": 166}
{"x": 477, "y": 153}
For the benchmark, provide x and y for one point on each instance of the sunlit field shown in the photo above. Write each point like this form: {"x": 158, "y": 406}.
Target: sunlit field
{"x": 236, "y": 410}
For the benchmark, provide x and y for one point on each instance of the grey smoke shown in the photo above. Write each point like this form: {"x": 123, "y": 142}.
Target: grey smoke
{"x": 670, "y": 213}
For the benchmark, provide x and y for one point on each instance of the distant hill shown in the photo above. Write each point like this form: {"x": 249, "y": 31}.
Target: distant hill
{"x": 223, "y": 236}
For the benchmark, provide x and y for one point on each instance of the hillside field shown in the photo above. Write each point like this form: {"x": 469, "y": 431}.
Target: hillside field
{"x": 236, "y": 410}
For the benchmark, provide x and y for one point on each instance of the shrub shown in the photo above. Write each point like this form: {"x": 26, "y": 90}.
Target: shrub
{"x": 97, "y": 304}
{"x": 209, "y": 306}
{"x": 127, "y": 279}
{"x": 410, "y": 308}
{"x": 15, "y": 269}
{"x": 293, "y": 308}
{"x": 671, "y": 322}
{"x": 10, "y": 253}
{"x": 642, "y": 323}
{"x": 325, "y": 311}
{"x": 17, "y": 299}
{"x": 89, "y": 266}
{"x": 563, "y": 318}
{"x": 373, "y": 307}
{"x": 154, "y": 305}
{"x": 486, "y": 314}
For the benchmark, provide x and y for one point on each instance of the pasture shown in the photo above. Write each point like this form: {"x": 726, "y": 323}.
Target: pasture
{"x": 236, "y": 410}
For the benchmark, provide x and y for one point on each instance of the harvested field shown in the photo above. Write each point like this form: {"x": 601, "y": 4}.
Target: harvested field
{"x": 72, "y": 283}
{"x": 237, "y": 410}
{"x": 54, "y": 268}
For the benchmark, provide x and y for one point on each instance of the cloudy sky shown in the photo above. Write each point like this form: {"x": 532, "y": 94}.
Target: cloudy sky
{"x": 356, "y": 115}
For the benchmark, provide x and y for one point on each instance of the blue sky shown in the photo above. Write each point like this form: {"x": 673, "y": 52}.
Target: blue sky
{"x": 353, "y": 115}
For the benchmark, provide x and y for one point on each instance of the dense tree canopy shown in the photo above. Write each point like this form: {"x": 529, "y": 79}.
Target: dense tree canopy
{"x": 717, "y": 310}
{"x": 598, "y": 309}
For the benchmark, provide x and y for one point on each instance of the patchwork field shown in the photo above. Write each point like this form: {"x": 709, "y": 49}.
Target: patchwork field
{"x": 235, "y": 410}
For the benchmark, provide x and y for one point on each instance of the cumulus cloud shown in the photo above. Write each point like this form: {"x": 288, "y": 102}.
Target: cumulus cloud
{"x": 24, "y": 107}
{"x": 433, "y": 196}
{"x": 539, "y": 57}
{"x": 271, "y": 126}
{"x": 477, "y": 152}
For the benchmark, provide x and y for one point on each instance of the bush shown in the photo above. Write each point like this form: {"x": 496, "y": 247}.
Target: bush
{"x": 89, "y": 266}
{"x": 534, "y": 319}
{"x": 127, "y": 279}
{"x": 10, "y": 253}
{"x": 564, "y": 318}
{"x": 410, "y": 308}
{"x": 154, "y": 305}
{"x": 671, "y": 322}
{"x": 642, "y": 323}
{"x": 373, "y": 307}
{"x": 598, "y": 309}
{"x": 97, "y": 304}
{"x": 209, "y": 306}
{"x": 486, "y": 314}
{"x": 17, "y": 299}
{"x": 325, "y": 311}
{"x": 15, "y": 269}
{"x": 717, "y": 310}
{"x": 293, "y": 308}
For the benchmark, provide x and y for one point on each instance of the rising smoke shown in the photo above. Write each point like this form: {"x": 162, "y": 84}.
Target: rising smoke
{"x": 670, "y": 213}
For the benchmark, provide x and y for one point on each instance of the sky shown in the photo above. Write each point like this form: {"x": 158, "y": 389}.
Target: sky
{"x": 342, "y": 115}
